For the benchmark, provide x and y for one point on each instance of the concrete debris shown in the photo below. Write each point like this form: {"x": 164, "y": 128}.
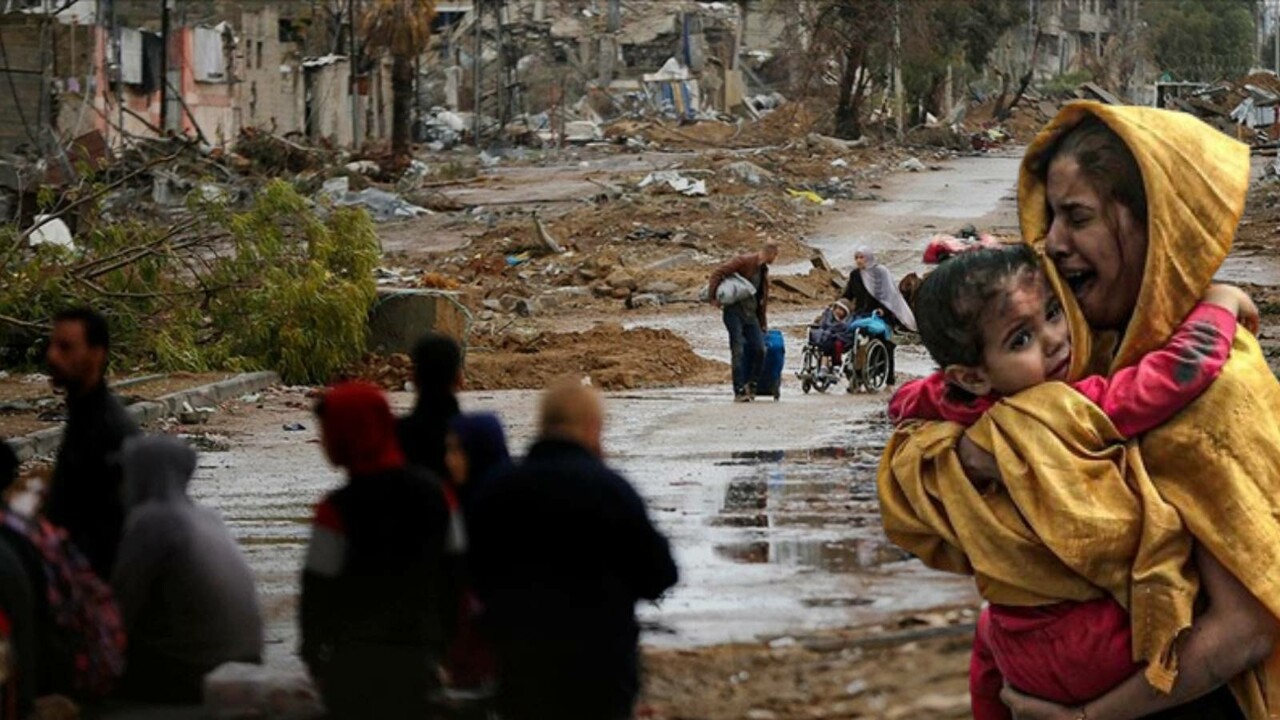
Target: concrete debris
{"x": 913, "y": 165}
{"x": 677, "y": 182}
{"x": 582, "y": 131}
{"x": 381, "y": 205}
{"x": 749, "y": 172}
{"x": 644, "y": 300}
{"x": 363, "y": 167}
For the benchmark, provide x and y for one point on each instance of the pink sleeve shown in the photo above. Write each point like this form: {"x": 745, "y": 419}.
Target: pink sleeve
{"x": 927, "y": 399}
{"x": 1144, "y": 396}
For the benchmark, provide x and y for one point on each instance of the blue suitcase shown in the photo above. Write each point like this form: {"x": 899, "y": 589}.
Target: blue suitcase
{"x": 775, "y": 352}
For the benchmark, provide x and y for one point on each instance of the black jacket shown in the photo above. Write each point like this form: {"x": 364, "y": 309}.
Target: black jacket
{"x": 561, "y": 550}
{"x": 375, "y": 595}
{"x": 421, "y": 433}
{"x": 84, "y": 496}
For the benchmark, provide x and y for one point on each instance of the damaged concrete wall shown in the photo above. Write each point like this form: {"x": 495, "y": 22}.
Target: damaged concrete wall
{"x": 272, "y": 93}
{"x": 66, "y": 54}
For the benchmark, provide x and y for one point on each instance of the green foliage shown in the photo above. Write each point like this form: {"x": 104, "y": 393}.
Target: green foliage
{"x": 1201, "y": 40}
{"x": 1066, "y": 82}
{"x": 274, "y": 286}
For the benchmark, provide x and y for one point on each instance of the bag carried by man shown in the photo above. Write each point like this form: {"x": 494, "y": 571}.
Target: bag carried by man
{"x": 734, "y": 289}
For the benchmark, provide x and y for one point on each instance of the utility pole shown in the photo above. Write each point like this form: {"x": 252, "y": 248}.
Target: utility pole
{"x": 1275, "y": 28}
{"x": 166, "y": 6}
{"x": 478, "y": 11}
{"x": 898, "y": 99}
{"x": 352, "y": 61}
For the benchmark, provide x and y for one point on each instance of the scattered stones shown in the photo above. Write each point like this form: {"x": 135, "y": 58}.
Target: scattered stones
{"x": 913, "y": 165}
{"x": 749, "y": 172}
{"x": 621, "y": 279}
{"x": 644, "y": 300}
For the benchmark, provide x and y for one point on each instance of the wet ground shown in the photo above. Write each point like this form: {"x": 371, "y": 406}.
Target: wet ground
{"x": 770, "y": 507}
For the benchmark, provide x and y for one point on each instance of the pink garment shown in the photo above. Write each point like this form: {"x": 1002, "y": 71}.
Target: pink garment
{"x": 1067, "y": 653}
{"x": 1137, "y": 398}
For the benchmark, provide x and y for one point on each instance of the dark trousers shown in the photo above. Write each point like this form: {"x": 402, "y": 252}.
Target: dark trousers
{"x": 746, "y": 343}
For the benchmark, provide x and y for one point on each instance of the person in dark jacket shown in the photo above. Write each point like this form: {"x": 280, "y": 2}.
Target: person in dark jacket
{"x": 374, "y": 585}
{"x": 437, "y": 374}
{"x": 84, "y": 494}
{"x": 475, "y": 453}
{"x": 183, "y": 587}
{"x": 562, "y": 548}
{"x": 747, "y": 320}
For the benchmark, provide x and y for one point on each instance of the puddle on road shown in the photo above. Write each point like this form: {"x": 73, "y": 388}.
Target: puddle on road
{"x": 835, "y": 556}
{"x": 824, "y": 488}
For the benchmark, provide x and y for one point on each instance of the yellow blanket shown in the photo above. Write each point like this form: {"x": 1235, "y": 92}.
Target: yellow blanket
{"x": 1081, "y": 513}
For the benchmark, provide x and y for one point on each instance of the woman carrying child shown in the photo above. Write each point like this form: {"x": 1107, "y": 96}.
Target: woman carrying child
{"x": 1048, "y": 474}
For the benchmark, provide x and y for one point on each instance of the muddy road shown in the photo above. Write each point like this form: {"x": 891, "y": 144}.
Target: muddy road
{"x": 771, "y": 507}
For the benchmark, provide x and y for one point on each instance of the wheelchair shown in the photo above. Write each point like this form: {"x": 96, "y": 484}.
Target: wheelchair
{"x": 867, "y": 364}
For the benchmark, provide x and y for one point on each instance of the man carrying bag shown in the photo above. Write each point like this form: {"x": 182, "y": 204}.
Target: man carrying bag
{"x": 741, "y": 288}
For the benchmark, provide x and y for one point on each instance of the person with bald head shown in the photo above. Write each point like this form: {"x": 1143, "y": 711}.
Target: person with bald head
{"x": 562, "y": 548}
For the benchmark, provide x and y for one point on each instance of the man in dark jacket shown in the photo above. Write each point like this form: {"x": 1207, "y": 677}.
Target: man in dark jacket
{"x": 437, "y": 373}
{"x": 747, "y": 319}
{"x": 562, "y": 548}
{"x": 84, "y": 495}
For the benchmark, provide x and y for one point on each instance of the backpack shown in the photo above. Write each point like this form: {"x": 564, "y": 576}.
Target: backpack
{"x": 83, "y": 610}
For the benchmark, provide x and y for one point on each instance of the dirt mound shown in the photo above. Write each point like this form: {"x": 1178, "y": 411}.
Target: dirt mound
{"x": 787, "y": 123}
{"x": 614, "y": 358}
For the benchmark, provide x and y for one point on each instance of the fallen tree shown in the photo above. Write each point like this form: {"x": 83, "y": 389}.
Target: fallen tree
{"x": 279, "y": 285}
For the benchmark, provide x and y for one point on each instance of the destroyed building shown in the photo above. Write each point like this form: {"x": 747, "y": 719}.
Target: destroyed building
{"x": 229, "y": 66}
{"x": 1062, "y": 37}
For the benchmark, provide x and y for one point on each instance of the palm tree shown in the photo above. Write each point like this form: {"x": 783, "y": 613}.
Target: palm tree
{"x": 401, "y": 28}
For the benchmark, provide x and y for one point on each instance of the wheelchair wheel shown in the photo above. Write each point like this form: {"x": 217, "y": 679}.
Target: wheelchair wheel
{"x": 812, "y": 375}
{"x": 875, "y": 367}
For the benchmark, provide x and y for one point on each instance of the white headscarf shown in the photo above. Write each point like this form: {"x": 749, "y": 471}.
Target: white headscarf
{"x": 877, "y": 280}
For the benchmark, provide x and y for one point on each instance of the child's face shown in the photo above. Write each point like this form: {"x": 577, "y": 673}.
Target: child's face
{"x": 840, "y": 312}
{"x": 1026, "y": 341}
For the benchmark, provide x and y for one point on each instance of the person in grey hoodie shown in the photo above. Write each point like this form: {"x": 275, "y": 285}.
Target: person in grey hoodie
{"x": 184, "y": 589}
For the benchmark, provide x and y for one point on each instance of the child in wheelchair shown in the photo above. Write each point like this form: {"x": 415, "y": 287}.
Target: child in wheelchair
{"x": 832, "y": 335}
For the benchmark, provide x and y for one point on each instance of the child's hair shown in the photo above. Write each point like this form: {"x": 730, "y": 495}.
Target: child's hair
{"x": 952, "y": 300}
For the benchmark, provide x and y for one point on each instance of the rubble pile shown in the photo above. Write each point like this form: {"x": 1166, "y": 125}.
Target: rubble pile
{"x": 650, "y": 240}
{"x": 1245, "y": 108}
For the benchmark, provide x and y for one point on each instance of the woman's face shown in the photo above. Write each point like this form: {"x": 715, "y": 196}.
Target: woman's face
{"x": 1097, "y": 245}
{"x": 455, "y": 459}
{"x": 861, "y": 260}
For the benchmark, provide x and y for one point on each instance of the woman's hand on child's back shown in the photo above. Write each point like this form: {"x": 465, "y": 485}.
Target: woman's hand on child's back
{"x": 979, "y": 465}
{"x": 1235, "y": 301}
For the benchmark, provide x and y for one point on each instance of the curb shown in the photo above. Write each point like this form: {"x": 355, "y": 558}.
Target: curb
{"x": 45, "y": 442}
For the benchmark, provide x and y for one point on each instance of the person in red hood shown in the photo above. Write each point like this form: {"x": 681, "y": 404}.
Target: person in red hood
{"x": 376, "y": 582}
